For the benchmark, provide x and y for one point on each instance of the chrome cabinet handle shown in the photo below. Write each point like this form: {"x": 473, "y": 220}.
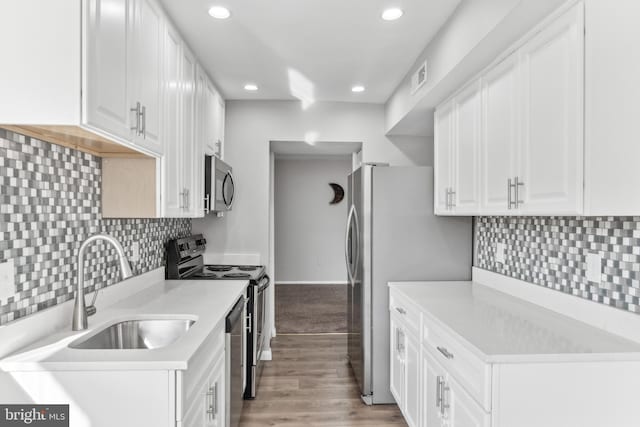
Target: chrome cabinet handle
{"x": 517, "y": 186}
{"x": 212, "y": 407}
{"x": 445, "y": 399}
{"x": 206, "y": 204}
{"x": 439, "y": 383}
{"x": 399, "y": 340}
{"x": 137, "y": 111}
{"x": 401, "y": 310}
{"x": 445, "y": 352}
{"x": 451, "y": 196}
{"x": 249, "y": 322}
{"x": 143, "y": 131}
{"x": 510, "y": 203}
{"x": 219, "y": 150}
{"x": 183, "y": 194}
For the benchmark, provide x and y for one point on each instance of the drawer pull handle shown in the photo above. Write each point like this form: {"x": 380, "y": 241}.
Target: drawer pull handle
{"x": 445, "y": 352}
{"x": 439, "y": 384}
{"x": 401, "y": 310}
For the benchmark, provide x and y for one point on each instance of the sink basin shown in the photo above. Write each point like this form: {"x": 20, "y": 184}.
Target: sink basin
{"x": 136, "y": 334}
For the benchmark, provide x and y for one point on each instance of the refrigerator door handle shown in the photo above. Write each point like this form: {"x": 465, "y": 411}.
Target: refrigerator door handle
{"x": 357, "y": 257}
{"x": 346, "y": 243}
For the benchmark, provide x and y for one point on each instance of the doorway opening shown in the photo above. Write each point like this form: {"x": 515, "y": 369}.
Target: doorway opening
{"x": 308, "y": 217}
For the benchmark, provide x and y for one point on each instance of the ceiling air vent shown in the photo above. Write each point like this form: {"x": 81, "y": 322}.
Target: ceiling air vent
{"x": 419, "y": 78}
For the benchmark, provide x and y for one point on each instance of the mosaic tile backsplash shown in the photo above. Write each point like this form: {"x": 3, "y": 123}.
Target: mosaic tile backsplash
{"x": 552, "y": 252}
{"x": 49, "y": 203}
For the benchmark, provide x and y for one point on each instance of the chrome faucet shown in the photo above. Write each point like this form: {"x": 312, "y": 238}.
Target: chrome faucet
{"x": 80, "y": 311}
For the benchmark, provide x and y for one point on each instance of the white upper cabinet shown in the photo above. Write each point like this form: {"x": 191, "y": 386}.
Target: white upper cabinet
{"x": 465, "y": 196}
{"x": 443, "y": 155}
{"x": 106, "y": 95}
{"x": 173, "y": 201}
{"x": 518, "y": 139}
{"x": 123, "y": 63}
{"x": 499, "y": 134}
{"x": 146, "y": 72}
{"x": 611, "y": 110}
{"x": 551, "y": 160}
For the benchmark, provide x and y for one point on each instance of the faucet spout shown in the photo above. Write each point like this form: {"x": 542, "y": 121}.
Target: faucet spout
{"x": 80, "y": 309}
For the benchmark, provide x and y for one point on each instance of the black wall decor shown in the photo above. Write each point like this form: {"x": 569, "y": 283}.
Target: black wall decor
{"x": 338, "y": 193}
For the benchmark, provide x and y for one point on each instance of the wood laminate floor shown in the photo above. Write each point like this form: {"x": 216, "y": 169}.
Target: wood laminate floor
{"x": 309, "y": 309}
{"x": 309, "y": 383}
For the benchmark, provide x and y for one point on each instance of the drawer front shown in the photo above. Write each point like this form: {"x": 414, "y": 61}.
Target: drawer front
{"x": 473, "y": 374}
{"x": 406, "y": 313}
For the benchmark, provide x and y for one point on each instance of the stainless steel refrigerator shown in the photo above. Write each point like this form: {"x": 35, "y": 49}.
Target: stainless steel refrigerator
{"x": 392, "y": 234}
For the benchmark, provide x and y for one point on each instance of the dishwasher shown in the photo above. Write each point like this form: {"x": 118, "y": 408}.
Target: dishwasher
{"x": 234, "y": 358}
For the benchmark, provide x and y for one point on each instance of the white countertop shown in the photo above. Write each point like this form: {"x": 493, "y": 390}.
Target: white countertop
{"x": 204, "y": 301}
{"x": 501, "y": 328}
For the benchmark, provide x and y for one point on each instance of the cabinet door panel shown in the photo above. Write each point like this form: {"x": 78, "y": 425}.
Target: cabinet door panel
{"x": 443, "y": 152}
{"x": 552, "y": 116}
{"x": 499, "y": 133}
{"x": 172, "y": 184}
{"x": 397, "y": 362}
{"x": 189, "y": 166}
{"x": 106, "y": 101}
{"x": 464, "y": 411}
{"x": 412, "y": 393}
{"x": 431, "y": 372}
{"x": 146, "y": 75}
{"x": 466, "y": 164}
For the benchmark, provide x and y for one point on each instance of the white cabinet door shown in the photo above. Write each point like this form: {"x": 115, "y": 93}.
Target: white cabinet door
{"x": 463, "y": 411}
{"x": 499, "y": 134}
{"x": 551, "y": 166}
{"x": 397, "y": 362}
{"x": 172, "y": 185}
{"x": 432, "y": 375}
{"x": 465, "y": 198}
{"x": 443, "y": 153}
{"x": 106, "y": 102}
{"x": 412, "y": 399}
{"x": 219, "y": 114}
{"x": 146, "y": 71}
{"x": 190, "y": 169}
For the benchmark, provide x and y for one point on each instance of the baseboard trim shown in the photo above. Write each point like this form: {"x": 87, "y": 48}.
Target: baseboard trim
{"x": 312, "y": 334}
{"x": 266, "y": 355}
{"x": 613, "y": 320}
{"x": 308, "y": 282}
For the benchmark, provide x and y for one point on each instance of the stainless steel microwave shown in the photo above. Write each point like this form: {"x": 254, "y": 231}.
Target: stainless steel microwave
{"x": 219, "y": 186}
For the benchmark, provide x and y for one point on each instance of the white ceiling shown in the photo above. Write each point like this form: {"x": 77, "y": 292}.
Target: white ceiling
{"x": 309, "y": 49}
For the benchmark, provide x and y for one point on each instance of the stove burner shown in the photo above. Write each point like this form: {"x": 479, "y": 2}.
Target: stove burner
{"x": 207, "y": 274}
{"x": 219, "y": 267}
{"x": 247, "y": 268}
{"x": 237, "y": 275}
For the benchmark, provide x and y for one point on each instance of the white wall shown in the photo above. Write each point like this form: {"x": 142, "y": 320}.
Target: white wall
{"x": 309, "y": 232}
{"x": 251, "y": 125}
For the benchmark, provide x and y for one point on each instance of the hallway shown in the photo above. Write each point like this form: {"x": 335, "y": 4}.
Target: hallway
{"x": 309, "y": 383}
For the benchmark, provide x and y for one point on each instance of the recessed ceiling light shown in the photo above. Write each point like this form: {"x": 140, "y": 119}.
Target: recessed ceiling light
{"x": 219, "y": 12}
{"x": 357, "y": 89}
{"x": 251, "y": 87}
{"x": 392, "y": 14}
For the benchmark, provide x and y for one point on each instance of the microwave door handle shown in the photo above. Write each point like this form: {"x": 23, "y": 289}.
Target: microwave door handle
{"x": 233, "y": 190}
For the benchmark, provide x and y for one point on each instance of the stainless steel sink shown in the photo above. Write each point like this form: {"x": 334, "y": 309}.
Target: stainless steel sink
{"x": 136, "y": 334}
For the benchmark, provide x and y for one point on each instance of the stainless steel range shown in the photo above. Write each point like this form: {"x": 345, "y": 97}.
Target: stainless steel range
{"x": 185, "y": 262}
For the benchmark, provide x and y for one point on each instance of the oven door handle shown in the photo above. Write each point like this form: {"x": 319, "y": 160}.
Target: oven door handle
{"x": 265, "y": 285}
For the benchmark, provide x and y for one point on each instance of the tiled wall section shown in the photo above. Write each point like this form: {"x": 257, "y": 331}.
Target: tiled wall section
{"x": 552, "y": 252}
{"x": 49, "y": 203}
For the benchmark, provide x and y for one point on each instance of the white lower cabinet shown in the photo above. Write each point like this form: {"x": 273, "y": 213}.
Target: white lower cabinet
{"x": 405, "y": 360}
